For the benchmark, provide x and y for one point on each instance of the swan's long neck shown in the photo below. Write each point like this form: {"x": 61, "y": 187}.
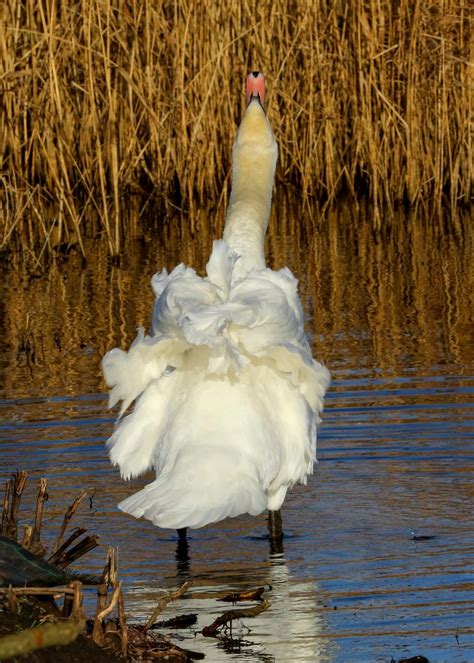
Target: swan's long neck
{"x": 253, "y": 168}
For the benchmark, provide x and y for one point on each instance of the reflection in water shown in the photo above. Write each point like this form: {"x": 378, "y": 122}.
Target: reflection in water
{"x": 297, "y": 618}
{"x": 289, "y": 631}
{"x": 376, "y": 301}
{"x": 391, "y": 315}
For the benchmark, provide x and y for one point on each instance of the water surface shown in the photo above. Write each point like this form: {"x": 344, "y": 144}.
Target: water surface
{"x": 391, "y": 316}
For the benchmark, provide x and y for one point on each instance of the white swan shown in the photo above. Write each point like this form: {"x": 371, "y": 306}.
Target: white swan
{"x": 227, "y": 395}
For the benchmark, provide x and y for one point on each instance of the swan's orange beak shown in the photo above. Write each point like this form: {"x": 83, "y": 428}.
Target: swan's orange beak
{"x": 255, "y": 87}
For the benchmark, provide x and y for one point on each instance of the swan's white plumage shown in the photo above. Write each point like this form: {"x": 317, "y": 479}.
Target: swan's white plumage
{"x": 227, "y": 396}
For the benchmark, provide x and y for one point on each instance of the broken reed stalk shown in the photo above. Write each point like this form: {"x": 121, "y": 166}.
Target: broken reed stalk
{"x": 17, "y": 486}
{"x": 122, "y": 624}
{"x": 100, "y": 101}
{"x": 27, "y": 534}
{"x": 105, "y": 606}
{"x": 6, "y": 508}
{"x": 35, "y": 544}
{"x": 57, "y": 557}
{"x": 71, "y": 510}
{"x": 84, "y": 546}
{"x": 63, "y": 556}
{"x": 111, "y": 605}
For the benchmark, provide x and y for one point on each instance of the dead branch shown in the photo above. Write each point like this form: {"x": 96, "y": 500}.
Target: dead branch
{"x": 47, "y": 635}
{"x": 211, "y": 630}
{"x": 54, "y": 592}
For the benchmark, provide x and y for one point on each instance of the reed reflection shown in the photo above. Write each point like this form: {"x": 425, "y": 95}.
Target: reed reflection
{"x": 378, "y": 300}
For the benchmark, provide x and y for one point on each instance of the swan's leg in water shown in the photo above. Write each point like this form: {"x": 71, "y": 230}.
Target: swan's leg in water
{"x": 275, "y": 526}
{"x": 182, "y": 534}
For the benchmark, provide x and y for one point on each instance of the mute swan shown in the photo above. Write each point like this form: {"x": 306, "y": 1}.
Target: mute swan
{"x": 227, "y": 395}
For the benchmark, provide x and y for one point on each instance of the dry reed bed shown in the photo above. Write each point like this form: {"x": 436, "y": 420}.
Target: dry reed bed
{"x": 101, "y": 99}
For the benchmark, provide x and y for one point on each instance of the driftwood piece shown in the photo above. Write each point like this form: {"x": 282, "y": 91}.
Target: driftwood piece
{"x": 71, "y": 510}
{"x": 170, "y": 596}
{"x": 229, "y": 616}
{"x": 46, "y": 635}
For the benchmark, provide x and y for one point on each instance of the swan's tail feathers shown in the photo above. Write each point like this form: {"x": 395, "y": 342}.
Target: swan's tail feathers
{"x": 196, "y": 492}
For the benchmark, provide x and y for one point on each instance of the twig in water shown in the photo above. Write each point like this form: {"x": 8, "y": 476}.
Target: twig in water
{"x": 233, "y": 597}
{"x": 249, "y": 595}
{"x": 171, "y": 596}
{"x": 211, "y": 630}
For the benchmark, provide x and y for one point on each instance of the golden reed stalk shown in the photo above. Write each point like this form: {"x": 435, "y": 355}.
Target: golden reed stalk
{"x": 105, "y": 98}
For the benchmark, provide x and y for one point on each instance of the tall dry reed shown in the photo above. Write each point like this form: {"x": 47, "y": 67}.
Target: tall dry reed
{"x": 106, "y": 98}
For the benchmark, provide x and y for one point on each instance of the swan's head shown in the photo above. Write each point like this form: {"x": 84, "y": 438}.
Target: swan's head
{"x": 255, "y": 136}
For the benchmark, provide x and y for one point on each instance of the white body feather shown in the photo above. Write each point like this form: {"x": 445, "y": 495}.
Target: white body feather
{"x": 227, "y": 395}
